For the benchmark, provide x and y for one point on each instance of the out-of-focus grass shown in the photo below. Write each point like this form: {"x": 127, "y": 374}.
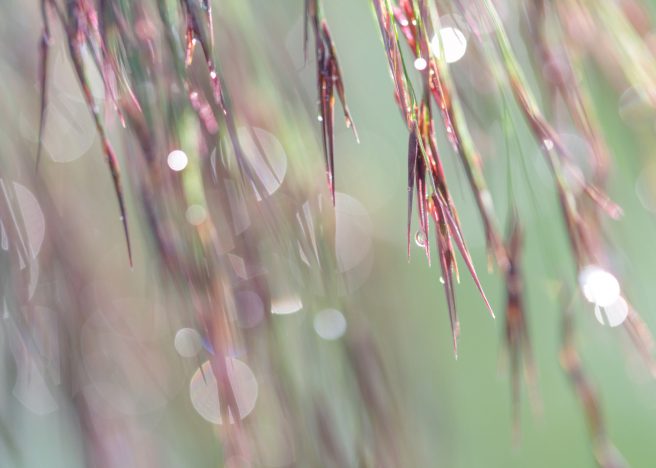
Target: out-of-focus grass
{"x": 456, "y": 412}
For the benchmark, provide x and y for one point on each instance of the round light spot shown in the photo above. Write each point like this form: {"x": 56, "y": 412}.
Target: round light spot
{"x": 267, "y": 159}
{"x": 613, "y": 315}
{"x": 286, "y": 305}
{"x": 33, "y": 218}
{"x": 330, "y": 324}
{"x": 420, "y": 63}
{"x": 28, "y": 222}
{"x": 452, "y": 42}
{"x": 177, "y": 160}
{"x": 204, "y": 390}
{"x": 196, "y": 214}
{"x": 69, "y": 132}
{"x": 250, "y": 309}
{"x": 188, "y": 342}
{"x": 599, "y": 286}
{"x": 353, "y": 238}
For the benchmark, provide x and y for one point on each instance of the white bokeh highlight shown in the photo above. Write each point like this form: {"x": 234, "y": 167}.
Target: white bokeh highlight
{"x": 613, "y": 315}
{"x": 204, "y": 391}
{"x": 330, "y": 324}
{"x": 420, "y": 63}
{"x": 450, "y": 43}
{"x": 266, "y": 157}
{"x": 286, "y": 304}
{"x": 599, "y": 286}
{"x": 602, "y": 289}
{"x": 188, "y": 342}
{"x": 196, "y": 215}
{"x": 177, "y": 160}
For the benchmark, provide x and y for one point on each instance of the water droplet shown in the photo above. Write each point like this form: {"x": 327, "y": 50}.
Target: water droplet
{"x": 420, "y": 63}
{"x": 330, "y": 324}
{"x": 599, "y": 286}
{"x": 548, "y": 144}
{"x": 319, "y": 118}
{"x": 420, "y": 239}
{"x": 204, "y": 391}
{"x": 177, "y": 160}
{"x": 188, "y": 342}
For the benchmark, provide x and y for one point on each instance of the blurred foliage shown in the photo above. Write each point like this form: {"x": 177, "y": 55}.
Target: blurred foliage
{"x": 90, "y": 372}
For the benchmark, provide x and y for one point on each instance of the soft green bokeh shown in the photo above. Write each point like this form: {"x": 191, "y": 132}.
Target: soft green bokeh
{"x": 457, "y": 412}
